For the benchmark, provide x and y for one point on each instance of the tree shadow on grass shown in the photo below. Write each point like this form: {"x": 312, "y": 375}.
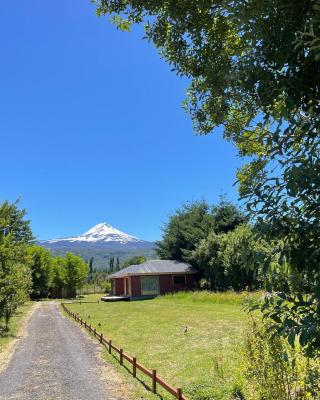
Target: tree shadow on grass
{"x": 6, "y": 333}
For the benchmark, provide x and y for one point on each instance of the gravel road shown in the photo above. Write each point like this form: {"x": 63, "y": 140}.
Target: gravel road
{"x": 56, "y": 360}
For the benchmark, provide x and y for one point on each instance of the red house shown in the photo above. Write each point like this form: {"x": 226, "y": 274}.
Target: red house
{"x": 152, "y": 278}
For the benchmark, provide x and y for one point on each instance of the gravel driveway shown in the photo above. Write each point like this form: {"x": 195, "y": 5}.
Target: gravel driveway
{"x": 56, "y": 360}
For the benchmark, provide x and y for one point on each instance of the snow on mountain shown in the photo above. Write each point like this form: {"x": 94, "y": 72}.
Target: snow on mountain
{"x": 101, "y": 233}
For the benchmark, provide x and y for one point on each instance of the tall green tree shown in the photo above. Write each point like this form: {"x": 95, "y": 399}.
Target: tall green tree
{"x": 254, "y": 69}
{"x": 184, "y": 230}
{"x": 232, "y": 260}
{"x": 75, "y": 272}
{"x": 59, "y": 273}
{"x": 192, "y": 223}
{"x": 111, "y": 265}
{"x": 205, "y": 257}
{"x": 91, "y": 268}
{"x": 91, "y": 265}
{"x": 15, "y": 277}
{"x": 42, "y": 271}
{"x": 13, "y": 223}
{"x": 227, "y": 216}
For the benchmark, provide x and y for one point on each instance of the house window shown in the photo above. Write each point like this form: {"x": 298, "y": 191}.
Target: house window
{"x": 150, "y": 285}
{"x": 179, "y": 279}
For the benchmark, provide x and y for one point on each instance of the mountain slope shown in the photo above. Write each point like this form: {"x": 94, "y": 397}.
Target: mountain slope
{"x": 101, "y": 242}
{"x": 102, "y": 235}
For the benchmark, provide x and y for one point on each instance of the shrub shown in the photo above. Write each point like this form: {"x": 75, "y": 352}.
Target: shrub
{"x": 228, "y": 297}
{"x": 107, "y": 286}
{"x": 274, "y": 370}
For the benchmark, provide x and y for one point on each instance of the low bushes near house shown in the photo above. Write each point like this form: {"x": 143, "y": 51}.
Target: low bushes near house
{"x": 228, "y": 297}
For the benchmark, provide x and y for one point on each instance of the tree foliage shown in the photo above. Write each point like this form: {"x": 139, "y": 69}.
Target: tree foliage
{"x": 15, "y": 277}
{"x": 75, "y": 271}
{"x": 42, "y": 271}
{"x": 185, "y": 228}
{"x": 254, "y": 68}
{"x": 13, "y": 223}
{"x": 91, "y": 266}
{"x": 273, "y": 369}
{"x": 135, "y": 260}
{"x": 58, "y": 280}
{"x": 214, "y": 239}
{"x": 231, "y": 260}
{"x": 193, "y": 222}
{"x": 26, "y": 269}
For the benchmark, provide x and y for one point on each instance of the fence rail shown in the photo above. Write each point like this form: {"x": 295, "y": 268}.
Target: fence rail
{"x": 151, "y": 373}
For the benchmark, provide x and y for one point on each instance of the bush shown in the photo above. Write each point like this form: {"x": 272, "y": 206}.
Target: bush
{"x": 228, "y": 297}
{"x": 274, "y": 370}
{"x": 107, "y": 286}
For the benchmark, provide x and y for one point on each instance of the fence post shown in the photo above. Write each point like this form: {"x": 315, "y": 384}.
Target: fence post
{"x": 134, "y": 367}
{"x": 179, "y": 394}
{"x": 95, "y": 331}
{"x": 121, "y": 356}
{"x": 154, "y": 381}
{"x": 110, "y": 341}
{"x": 101, "y": 336}
{"x": 85, "y": 324}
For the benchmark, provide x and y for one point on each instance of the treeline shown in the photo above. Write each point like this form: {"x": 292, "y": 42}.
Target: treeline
{"x": 218, "y": 240}
{"x": 55, "y": 276}
{"x": 27, "y": 270}
{"x": 98, "y": 279}
{"x": 114, "y": 265}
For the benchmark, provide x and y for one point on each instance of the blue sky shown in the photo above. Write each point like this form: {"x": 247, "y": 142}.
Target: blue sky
{"x": 92, "y": 128}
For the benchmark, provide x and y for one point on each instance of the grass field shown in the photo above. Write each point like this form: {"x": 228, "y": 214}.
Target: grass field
{"x": 205, "y": 361}
{"x": 14, "y": 325}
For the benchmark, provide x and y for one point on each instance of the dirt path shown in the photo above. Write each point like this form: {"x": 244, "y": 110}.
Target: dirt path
{"x": 56, "y": 360}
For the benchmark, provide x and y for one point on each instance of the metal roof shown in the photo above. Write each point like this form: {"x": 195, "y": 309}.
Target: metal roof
{"x": 156, "y": 267}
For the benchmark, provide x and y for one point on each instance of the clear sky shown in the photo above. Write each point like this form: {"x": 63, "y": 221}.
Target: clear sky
{"x": 91, "y": 125}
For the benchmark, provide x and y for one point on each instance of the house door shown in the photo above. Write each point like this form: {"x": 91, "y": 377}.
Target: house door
{"x": 150, "y": 285}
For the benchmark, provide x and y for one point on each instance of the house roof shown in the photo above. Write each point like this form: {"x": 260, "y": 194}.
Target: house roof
{"x": 155, "y": 267}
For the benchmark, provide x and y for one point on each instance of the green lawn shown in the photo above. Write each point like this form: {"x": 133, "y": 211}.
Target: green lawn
{"x": 205, "y": 361}
{"x": 14, "y": 325}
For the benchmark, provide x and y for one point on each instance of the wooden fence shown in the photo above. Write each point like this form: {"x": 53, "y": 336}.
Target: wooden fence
{"x": 151, "y": 373}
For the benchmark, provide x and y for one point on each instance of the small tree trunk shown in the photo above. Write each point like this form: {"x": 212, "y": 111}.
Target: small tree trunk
{"x": 7, "y": 318}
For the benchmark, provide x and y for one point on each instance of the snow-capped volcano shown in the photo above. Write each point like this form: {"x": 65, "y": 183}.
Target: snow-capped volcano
{"x": 101, "y": 233}
{"x": 101, "y": 242}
